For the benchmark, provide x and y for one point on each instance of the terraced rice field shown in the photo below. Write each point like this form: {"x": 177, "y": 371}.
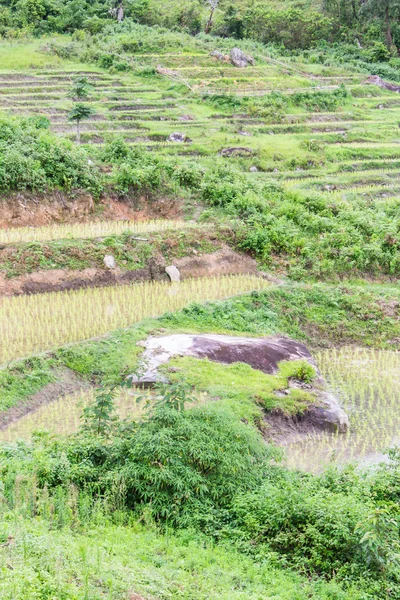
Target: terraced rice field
{"x": 89, "y": 230}
{"x": 349, "y": 150}
{"x": 308, "y": 150}
{"x": 33, "y": 324}
{"x": 352, "y": 152}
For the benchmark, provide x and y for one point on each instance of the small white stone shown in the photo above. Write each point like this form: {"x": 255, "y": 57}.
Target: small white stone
{"x": 173, "y": 273}
{"x": 109, "y": 261}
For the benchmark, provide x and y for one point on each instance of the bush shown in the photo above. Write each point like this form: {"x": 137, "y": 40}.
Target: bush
{"x": 33, "y": 159}
{"x": 314, "y": 529}
{"x": 292, "y": 27}
{"x": 180, "y": 465}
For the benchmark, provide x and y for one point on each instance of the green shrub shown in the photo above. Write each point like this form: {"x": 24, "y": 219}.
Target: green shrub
{"x": 313, "y": 529}
{"x": 33, "y": 159}
{"x": 298, "y": 369}
{"x": 179, "y": 465}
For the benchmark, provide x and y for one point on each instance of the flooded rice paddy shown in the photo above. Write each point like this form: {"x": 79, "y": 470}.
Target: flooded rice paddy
{"x": 367, "y": 383}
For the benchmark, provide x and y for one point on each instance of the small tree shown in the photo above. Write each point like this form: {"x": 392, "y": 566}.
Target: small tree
{"x": 81, "y": 89}
{"x": 78, "y": 113}
{"x": 80, "y": 92}
{"x": 213, "y": 6}
{"x": 100, "y": 416}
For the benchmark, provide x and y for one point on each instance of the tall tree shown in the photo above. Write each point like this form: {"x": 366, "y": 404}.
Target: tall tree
{"x": 388, "y": 11}
{"x": 213, "y": 4}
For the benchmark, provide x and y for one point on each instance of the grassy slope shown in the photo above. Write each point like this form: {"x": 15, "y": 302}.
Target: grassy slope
{"x": 110, "y": 561}
{"x": 114, "y": 562}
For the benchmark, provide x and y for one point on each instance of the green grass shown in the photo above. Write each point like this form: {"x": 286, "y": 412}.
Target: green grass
{"x": 22, "y": 55}
{"x": 114, "y": 562}
{"x": 241, "y": 387}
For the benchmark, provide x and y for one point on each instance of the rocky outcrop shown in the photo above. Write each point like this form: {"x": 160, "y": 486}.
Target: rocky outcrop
{"x": 263, "y": 354}
{"x": 385, "y": 85}
{"x": 240, "y": 59}
{"x": 236, "y": 151}
{"x": 178, "y": 137}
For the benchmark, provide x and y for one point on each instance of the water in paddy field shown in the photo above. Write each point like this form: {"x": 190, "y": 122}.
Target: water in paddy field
{"x": 367, "y": 383}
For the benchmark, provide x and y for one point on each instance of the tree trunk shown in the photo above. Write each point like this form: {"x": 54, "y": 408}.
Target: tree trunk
{"x": 120, "y": 13}
{"x": 209, "y": 22}
{"x": 78, "y": 132}
{"x": 389, "y": 39}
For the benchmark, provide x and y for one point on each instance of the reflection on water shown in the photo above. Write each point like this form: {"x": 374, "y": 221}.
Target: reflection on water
{"x": 367, "y": 383}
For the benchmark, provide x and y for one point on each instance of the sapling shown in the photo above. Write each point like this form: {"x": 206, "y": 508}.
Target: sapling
{"x": 80, "y": 92}
{"x": 78, "y": 113}
{"x": 213, "y": 6}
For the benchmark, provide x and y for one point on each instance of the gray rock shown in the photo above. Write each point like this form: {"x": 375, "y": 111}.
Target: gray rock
{"x": 385, "y": 85}
{"x": 173, "y": 273}
{"x": 263, "y": 354}
{"x": 218, "y": 55}
{"x": 253, "y": 169}
{"x": 236, "y": 151}
{"x": 109, "y": 261}
{"x": 177, "y": 137}
{"x": 240, "y": 59}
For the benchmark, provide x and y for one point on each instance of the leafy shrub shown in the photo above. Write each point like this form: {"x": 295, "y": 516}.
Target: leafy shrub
{"x": 298, "y": 369}
{"x": 178, "y": 464}
{"x": 321, "y": 101}
{"x": 313, "y": 528}
{"x": 32, "y": 158}
{"x": 292, "y": 27}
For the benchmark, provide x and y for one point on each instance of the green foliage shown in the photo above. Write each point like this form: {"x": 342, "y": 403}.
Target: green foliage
{"x": 81, "y": 89}
{"x": 32, "y": 158}
{"x": 23, "y": 380}
{"x": 298, "y": 369}
{"x": 179, "y": 465}
{"x": 292, "y": 27}
{"x": 168, "y": 395}
{"x": 321, "y": 101}
{"x": 95, "y": 555}
{"x": 79, "y": 112}
{"x": 242, "y": 388}
{"x": 322, "y": 315}
{"x": 315, "y": 236}
{"x": 315, "y": 528}
{"x": 99, "y": 416}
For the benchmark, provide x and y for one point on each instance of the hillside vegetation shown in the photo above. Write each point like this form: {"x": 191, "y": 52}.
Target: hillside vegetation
{"x": 127, "y": 147}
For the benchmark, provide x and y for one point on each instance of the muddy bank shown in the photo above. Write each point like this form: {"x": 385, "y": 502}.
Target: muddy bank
{"x": 222, "y": 262}
{"x": 36, "y": 210}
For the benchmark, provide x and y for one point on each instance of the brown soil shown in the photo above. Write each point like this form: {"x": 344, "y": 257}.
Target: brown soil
{"x": 61, "y": 280}
{"x": 67, "y": 383}
{"x": 35, "y": 210}
{"x": 222, "y": 262}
